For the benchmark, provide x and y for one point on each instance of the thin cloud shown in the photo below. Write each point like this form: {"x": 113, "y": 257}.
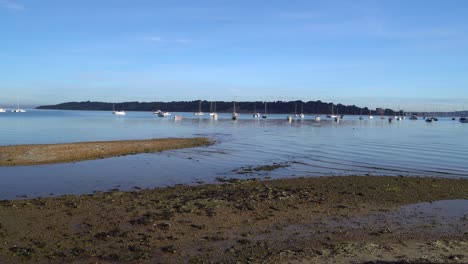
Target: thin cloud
{"x": 11, "y": 5}
{"x": 183, "y": 40}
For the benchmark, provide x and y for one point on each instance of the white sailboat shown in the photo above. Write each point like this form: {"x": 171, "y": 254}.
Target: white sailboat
{"x": 213, "y": 113}
{"x": 18, "y": 110}
{"x": 332, "y": 115}
{"x": 370, "y": 115}
{"x": 2, "y": 110}
{"x": 360, "y": 115}
{"x": 302, "y": 116}
{"x": 234, "y": 113}
{"x": 121, "y": 112}
{"x": 295, "y": 110}
{"x": 255, "y": 114}
{"x": 199, "y": 113}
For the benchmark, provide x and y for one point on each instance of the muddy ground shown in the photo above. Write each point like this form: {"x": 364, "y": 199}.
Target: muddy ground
{"x": 71, "y": 152}
{"x": 301, "y": 220}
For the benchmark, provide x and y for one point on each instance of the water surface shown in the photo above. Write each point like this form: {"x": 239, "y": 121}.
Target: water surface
{"x": 308, "y": 148}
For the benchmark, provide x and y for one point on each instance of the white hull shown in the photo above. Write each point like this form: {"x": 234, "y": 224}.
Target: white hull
{"x": 317, "y": 118}
{"x": 18, "y": 111}
{"x": 199, "y": 114}
{"x": 371, "y": 117}
{"x": 177, "y": 117}
{"x": 2, "y": 110}
{"x": 164, "y": 114}
{"x": 257, "y": 115}
{"x": 120, "y": 113}
{"x": 332, "y": 116}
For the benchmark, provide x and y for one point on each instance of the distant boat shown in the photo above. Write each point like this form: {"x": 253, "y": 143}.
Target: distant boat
{"x": 163, "y": 114}
{"x": 18, "y": 110}
{"x": 370, "y": 114}
{"x": 213, "y": 110}
{"x": 317, "y": 118}
{"x": 429, "y": 120}
{"x": 390, "y": 119}
{"x": 121, "y": 113}
{"x": 360, "y": 116}
{"x": 382, "y": 117}
{"x": 177, "y": 117}
{"x": 256, "y": 114}
{"x": 2, "y": 110}
{"x": 463, "y": 120}
{"x": 199, "y": 113}
{"x": 234, "y": 114}
{"x": 264, "y": 116}
{"x": 332, "y": 115}
{"x": 302, "y": 116}
{"x": 289, "y": 118}
{"x": 413, "y": 117}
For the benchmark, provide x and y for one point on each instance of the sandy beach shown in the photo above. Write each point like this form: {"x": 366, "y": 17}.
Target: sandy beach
{"x": 351, "y": 219}
{"x": 72, "y": 152}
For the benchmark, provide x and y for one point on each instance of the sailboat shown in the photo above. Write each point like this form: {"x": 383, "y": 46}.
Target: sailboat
{"x": 360, "y": 116}
{"x": 18, "y": 110}
{"x": 301, "y": 116}
{"x": 234, "y": 114}
{"x": 117, "y": 112}
{"x": 264, "y": 116}
{"x": 213, "y": 113}
{"x": 199, "y": 113}
{"x": 370, "y": 114}
{"x": 332, "y": 115}
{"x": 256, "y": 115}
{"x": 295, "y": 110}
{"x": 2, "y": 110}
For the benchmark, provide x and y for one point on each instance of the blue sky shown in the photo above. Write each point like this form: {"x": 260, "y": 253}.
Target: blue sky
{"x": 396, "y": 54}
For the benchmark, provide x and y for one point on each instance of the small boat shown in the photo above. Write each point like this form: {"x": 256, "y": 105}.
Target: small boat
{"x": 463, "y": 120}
{"x": 390, "y": 119}
{"x": 453, "y": 118}
{"x": 2, "y": 110}
{"x": 301, "y": 115}
{"x": 317, "y": 118}
{"x": 360, "y": 116}
{"x": 177, "y": 117}
{"x": 429, "y": 120}
{"x": 18, "y": 110}
{"x": 256, "y": 114}
{"x": 234, "y": 114}
{"x": 413, "y": 117}
{"x": 163, "y": 114}
{"x": 370, "y": 115}
{"x": 213, "y": 110}
{"x": 199, "y": 113}
{"x": 264, "y": 116}
{"x": 289, "y": 118}
{"x": 295, "y": 110}
{"x": 332, "y": 115}
{"x": 119, "y": 112}
{"x": 382, "y": 117}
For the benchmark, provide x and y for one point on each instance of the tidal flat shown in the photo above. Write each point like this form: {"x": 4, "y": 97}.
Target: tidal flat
{"x": 33, "y": 154}
{"x": 347, "y": 219}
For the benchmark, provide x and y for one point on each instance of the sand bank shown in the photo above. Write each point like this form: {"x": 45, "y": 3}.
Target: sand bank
{"x": 71, "y": 152}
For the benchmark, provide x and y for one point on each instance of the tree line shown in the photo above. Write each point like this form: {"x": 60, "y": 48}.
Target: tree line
{"x": 277, "y": 107}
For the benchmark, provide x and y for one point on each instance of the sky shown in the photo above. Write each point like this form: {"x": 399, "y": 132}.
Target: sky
{"x": 410, "y": 55}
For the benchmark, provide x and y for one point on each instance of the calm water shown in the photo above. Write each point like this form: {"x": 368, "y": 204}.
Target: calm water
{"x": 311, "y": 149}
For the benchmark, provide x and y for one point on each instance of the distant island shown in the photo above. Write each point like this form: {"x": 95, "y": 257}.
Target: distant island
{"x": 277, "y": 107}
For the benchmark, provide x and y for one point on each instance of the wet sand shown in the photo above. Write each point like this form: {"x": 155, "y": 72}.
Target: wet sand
{"x": 72, "y": 152}
{"x": 352, "y": 219}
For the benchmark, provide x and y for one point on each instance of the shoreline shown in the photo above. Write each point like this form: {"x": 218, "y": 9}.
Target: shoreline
{"x": 295, "y": 219}
{"x": 35, "y": 154}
